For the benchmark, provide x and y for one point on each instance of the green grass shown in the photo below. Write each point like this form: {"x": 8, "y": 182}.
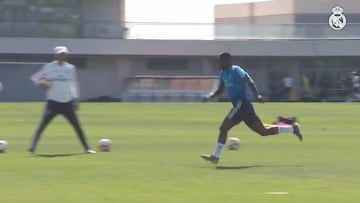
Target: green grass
{"x": 155, "y": 156}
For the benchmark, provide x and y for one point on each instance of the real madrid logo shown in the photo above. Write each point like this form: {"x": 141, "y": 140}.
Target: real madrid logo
{"x": 337, "y": 20}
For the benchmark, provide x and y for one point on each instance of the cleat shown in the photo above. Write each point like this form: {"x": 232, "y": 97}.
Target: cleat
{"x": 210, "y": 158}
{"x": 297, "y": 132}
{"x": 287, "y": 120}
{"x": 31, "y": 152}
{"x": 90, "y": 151}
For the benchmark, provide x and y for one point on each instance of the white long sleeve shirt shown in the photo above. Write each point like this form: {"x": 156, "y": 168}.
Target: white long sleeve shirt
{"x": 63, "y": 79}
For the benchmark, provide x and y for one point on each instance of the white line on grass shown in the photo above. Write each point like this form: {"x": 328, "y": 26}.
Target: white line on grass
{"x": 277, "y": 193}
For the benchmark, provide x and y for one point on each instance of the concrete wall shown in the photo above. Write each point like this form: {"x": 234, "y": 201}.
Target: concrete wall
{"x": 103, "y": 19}
{"x": 231, "y": 11}
{"x": 281, "y": 7}
{"x": 263, "y": 20}
{"x": 285, "y": 11}
{"x": 194, "y": 66}
{"x": 101, "y": 11}
{"x": 267, "y": 8}
{"x": 325, "y": 6}
{"x": 324, "y": 18}
{"x": 109, "y": 62}
{"x": 99, "y": 77}
{"x": 105, "y": 75}
{"x": 16, "y": 83}
{"x": 106, "y": 47}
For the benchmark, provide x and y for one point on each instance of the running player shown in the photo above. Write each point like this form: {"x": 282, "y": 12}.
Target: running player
{"x": 58, "y": 79}
{"x": 234, "y": 79}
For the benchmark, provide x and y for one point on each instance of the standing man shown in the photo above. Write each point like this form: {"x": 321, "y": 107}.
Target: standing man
{"x": 234, "y": 79}
{"x": 355, "y": 83}
{"x": 58, "y": 79}
{"x": 287, "y": 87}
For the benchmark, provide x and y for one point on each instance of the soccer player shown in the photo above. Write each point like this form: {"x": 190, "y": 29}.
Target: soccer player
{"x": 58, "y": 79}
{"x": 234, "y": 79}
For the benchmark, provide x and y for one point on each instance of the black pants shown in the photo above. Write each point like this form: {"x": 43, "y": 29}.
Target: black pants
{"x": 52, "y": 109}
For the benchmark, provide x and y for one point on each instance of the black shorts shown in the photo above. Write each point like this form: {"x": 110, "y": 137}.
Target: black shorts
{"x": 60, "y": 107}
{"x": 242, "y": 111}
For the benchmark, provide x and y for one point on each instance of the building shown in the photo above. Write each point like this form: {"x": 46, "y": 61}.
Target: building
{"x": 298, "y": 22}
{"x": 285, "y": 12}
{"x": 286, "y": 18}
{"x": 107, "y": 50}
{"x": 30, "y": 28}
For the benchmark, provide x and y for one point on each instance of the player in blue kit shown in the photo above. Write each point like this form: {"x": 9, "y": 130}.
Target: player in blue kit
{"x": 235, "y": 79}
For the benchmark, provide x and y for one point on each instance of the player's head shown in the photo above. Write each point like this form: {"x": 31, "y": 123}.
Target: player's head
{"x": 224, "y": 61}
{"x": 60, "y": 53}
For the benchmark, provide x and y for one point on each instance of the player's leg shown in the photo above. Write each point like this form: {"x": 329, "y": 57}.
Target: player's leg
{"x": 69, "y": 113}
{"x": 259, "y": 128}
{"x": 255, "y": 124}
{"x": 229, "y": 121}
{"x": 48, "y": 114}
{"x": 226, "y": 125}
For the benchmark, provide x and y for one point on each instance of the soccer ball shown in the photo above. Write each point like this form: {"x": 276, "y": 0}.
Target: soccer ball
{"x": 233, "y": 143}
{"x": 3, "y": 146}
{"x": 44, "y": 83}
{"x": 105, "y": 145}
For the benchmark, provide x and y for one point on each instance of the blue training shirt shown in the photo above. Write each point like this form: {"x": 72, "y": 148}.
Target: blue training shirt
{"x": 233, "y": 80}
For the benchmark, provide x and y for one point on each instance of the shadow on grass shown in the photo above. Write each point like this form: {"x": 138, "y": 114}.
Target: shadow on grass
{"x": 57, "y": 155}
{"x": 254, "y": 166}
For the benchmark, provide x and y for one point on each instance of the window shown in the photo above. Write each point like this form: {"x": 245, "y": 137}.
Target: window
{"x": 58, "y": 11}
{"x": 37, "y": 18}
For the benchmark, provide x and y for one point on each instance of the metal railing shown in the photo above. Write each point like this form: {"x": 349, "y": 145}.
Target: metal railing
{"x": 173, "y": 31}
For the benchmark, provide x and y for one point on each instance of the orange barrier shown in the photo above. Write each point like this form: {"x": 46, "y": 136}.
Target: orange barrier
{"x": 168, "y": 88}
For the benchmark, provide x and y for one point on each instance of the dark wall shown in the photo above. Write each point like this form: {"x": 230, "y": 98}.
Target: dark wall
{"x": 324, "y": 18}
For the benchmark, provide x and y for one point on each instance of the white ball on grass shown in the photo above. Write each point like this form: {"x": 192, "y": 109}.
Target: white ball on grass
{"x": 233, "y": 143}
{"x": 105, "y": 145}
{"x": 3, "y": 146}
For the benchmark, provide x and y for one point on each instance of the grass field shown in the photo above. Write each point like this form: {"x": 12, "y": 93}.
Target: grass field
{"x": 155, "y": 156}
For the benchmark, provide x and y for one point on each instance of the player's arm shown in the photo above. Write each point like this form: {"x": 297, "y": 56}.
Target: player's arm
{"x": 75, "y": 89}
{"x": 214, "y": 93}
{"x": 41, "y": 79}
{"x": 250, "y": 82}
{"x": 35, "y": 78}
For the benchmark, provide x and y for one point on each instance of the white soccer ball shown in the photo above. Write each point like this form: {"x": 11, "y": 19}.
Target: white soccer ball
{"x": 3, "y": 146}
{"x": 233, "y": 143}
{"x": 105, "y": 145}
{"x": 44, "y": 83}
